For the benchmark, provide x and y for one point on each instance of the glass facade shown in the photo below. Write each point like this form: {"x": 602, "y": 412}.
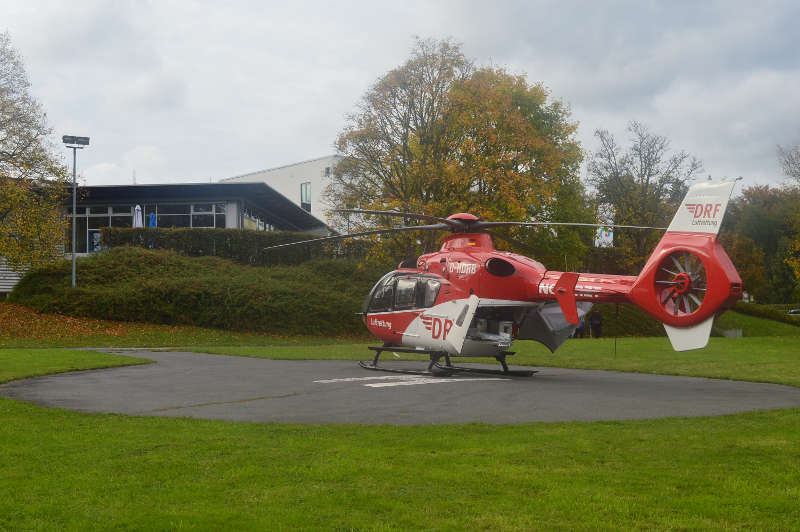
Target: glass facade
{"x": 89, "y": 220}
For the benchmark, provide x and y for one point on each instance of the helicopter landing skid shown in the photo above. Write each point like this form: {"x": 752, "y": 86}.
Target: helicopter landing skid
{"x": 435, "y": 371}
{"x": 506, "y": 372}
{"x": 441, "y": 370}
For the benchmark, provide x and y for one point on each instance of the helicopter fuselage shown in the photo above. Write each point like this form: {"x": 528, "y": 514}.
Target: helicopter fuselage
{"x": 504, "y": 295}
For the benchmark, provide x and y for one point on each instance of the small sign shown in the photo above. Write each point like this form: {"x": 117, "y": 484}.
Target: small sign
{"x": 604, "y": 237}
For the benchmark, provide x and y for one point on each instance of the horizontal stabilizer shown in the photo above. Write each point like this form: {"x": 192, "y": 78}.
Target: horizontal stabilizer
{"x": 687, "y": 338}
{"x": 565, "y": 295}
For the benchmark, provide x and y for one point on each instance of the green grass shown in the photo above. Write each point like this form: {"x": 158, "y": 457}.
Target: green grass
{"x": 21, "y": 363}
{"x": 22, "y": 327}
{"x": 64, "y": 470}
{"x": 754, "y": 326}
{"x": 154, "y": 336}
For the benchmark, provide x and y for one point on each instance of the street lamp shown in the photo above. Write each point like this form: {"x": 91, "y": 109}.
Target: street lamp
{"x": 74, "y": 143}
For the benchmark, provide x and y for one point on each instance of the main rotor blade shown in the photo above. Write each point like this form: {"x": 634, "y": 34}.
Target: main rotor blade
{"x": 364, "y": 233}
{"x": 510, "y": 240}
{"x": 399, "y": 214}
{"x": 480, "y": 225}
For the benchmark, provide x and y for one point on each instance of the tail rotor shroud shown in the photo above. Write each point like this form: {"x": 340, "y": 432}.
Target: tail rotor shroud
{"x": 688, "y": 279}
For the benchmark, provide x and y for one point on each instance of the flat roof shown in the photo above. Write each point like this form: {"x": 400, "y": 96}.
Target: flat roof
{"x": 285, "y": 214}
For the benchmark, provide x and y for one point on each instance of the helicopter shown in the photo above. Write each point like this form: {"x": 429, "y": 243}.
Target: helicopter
{"x": 471, "y": 300}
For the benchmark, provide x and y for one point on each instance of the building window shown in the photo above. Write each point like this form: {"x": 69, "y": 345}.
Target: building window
{"x": 203, "y": 215}
{"x": 91, "y": 219}
{"x": 219, "y": 215}
{"x": 305, "y": 196}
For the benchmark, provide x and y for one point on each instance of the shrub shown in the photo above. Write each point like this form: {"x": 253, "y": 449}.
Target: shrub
{"x": 764, "y": 311}
{"x": 319, "y": 297}
{"x": 239, "y": 245}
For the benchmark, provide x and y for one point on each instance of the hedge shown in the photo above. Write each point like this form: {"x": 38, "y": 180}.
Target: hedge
{"x": 239, "y": 245}
{"x": 319, "y": 297}
{"x": 764, "y": 311}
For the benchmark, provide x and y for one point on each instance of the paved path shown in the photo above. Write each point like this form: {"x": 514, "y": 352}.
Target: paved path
{"x": 252, "y": 389}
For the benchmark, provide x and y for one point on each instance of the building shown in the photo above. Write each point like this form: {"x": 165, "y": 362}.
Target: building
{"x": 302, "y": 183}
{"x": 230, "y": 205}
{"x": 8, "y": 279}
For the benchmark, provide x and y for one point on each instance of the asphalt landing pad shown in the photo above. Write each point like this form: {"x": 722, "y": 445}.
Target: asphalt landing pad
{"x": 314, "y": 391}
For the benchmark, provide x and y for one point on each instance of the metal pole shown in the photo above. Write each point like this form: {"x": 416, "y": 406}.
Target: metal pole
{"x": 74, "y": 217}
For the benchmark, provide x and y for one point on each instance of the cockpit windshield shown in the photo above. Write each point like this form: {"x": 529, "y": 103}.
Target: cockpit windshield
{"x": 398, "y": 291}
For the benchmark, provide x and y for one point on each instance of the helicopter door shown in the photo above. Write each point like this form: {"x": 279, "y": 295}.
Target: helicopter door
{"x": 447, "y": 324}
{"x": 455, "y": 340}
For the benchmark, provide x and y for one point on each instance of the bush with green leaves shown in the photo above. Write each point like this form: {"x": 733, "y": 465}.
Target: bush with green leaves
{"x": 765, "y": 311}
{"x": 239, "y": 245}
{"x": 318, "y": 297}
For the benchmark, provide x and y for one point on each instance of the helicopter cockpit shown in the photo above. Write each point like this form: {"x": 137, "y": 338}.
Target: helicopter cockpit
{"x": 402, "y": 291}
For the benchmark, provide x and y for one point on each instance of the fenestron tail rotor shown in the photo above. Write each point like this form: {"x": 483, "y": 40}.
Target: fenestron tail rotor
{"x": 681, "y": 283}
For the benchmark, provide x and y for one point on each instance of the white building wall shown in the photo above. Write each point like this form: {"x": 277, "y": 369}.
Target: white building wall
{"x": 287, "y": 180}
{"x": 8, "y": 277}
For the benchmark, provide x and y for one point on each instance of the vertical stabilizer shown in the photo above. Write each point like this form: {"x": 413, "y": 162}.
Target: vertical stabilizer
{"x": 703, "y": 208}
{"x": 686, "y": 338}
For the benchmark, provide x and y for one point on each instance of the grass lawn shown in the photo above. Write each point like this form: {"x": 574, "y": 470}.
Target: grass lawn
{"x": 21, "y": 363}
{"x": 64, "y": 470}
{"x": 22, "y": 327}
{"x": 70, "y": 471}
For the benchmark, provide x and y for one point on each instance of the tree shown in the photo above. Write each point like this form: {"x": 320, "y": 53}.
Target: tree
{"x": 32, "y": 179}
{"x": 790, "y": 160}
{"x": 768, "y": 217}
{"x": 644, "y": 185}
{"x": 749, "y": 261}
{"x": 438, "y": 136}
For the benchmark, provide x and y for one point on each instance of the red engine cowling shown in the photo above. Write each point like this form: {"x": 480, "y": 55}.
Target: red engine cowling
{"x": 687, "y": 279}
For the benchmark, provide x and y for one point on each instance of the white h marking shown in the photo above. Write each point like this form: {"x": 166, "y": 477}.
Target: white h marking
{"x": 405, "y": 380}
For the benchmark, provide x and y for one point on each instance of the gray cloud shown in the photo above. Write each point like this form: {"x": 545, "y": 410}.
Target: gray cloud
{"x": 196, "y": 91}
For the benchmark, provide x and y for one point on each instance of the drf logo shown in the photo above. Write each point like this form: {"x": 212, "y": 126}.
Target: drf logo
{"x": 547, "y": 289}
{"x": 703, "y": 210}
{"x": 437, "y": 326}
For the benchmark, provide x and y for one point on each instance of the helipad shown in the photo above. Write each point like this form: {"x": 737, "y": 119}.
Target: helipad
{"x": 259, "y": 390}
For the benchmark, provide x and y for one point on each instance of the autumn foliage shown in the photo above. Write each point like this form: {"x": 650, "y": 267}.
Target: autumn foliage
{"x": 437, "y": 136}
{"x": 32, "y": 179}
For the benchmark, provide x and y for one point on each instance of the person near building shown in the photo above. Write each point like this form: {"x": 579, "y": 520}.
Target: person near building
{"x": 580, "y": 329}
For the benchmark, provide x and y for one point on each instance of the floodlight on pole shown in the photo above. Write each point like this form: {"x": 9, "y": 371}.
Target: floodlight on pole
{"x": 74, "y": 143}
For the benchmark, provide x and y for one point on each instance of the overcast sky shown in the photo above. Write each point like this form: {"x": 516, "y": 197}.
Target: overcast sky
{"x": 185, "y": 91}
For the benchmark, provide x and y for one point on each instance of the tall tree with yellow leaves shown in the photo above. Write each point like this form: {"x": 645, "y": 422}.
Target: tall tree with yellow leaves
{"x": 32, "y": 179}
{"x": 437, "y": 136}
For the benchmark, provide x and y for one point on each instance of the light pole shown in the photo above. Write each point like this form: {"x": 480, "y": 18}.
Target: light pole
{"x": 74, "y": 143}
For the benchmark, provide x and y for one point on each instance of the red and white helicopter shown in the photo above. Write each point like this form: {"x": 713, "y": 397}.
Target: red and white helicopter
{"x": 470, "y": 300}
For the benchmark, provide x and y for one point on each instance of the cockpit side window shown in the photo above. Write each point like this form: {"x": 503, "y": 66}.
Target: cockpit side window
{"x": 405, "y": 297}
{"x": 431, "y": 291}
{"x": 402, "y": 292}
{"x": 383, "y": 297}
